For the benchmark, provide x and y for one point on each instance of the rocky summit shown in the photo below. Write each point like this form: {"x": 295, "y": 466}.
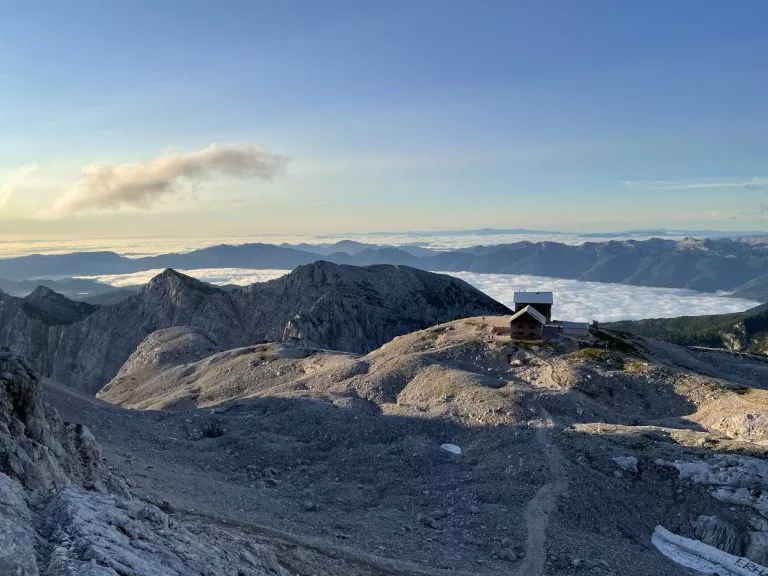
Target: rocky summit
{"x": 321, "y": 305}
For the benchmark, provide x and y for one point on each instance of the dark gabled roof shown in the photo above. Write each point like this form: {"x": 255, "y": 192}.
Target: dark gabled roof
{"x": 532, "y": 312}
{"x": 522, "y": 297}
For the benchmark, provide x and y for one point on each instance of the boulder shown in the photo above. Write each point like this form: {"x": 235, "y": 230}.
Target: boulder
{"x": 626, "y": 463}
{"x": 720, "y": 534}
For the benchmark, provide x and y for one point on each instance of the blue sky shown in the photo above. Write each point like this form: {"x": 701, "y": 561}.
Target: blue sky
{"x": 574, "y": 115}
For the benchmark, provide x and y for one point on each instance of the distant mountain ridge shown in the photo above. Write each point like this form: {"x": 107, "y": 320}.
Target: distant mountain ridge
{"x": 740, "y": 332}
{"x": 322, "y": 305}
{"x": 708, "y": 265}
{"x": 72, "y": 288}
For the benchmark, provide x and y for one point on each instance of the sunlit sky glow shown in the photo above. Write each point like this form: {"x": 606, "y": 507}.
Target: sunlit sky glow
{"x": 218, "y": 119}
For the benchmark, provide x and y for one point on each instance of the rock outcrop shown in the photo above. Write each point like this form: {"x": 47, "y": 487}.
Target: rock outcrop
{"x": 64, "y": 513}
{"x": 738, "y": 481}
{"x": 321, "y": 305}
{"x": 36, "y": 448}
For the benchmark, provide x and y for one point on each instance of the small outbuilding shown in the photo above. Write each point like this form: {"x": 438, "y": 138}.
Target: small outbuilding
{"x": 570, "y": 328}
{"x": 540, "y": 301}
{"x": 527, "y": 324}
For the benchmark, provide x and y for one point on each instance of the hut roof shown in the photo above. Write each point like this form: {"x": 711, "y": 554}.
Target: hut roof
{"x": 532, "y": 312}
{"x": 522, "y": 297}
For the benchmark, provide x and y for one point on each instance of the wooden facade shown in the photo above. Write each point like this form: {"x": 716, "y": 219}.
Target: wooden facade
{"x": 526, "y": 329}
{"x": 527, "y": 324}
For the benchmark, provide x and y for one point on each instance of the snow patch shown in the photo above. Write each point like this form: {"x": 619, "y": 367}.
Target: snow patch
{"x": 701, "y": 557}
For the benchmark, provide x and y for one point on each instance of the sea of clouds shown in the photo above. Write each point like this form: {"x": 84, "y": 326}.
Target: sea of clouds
{"x": 218, "y": 276}
{"x": 585, "y": 301}
{"x": 574, "y": 300}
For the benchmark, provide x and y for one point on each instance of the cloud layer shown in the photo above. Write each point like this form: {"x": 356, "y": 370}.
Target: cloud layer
{"x": 219, "y": 276}
{"x": 754, "y": 183}
{"x": 574, "y": 300}
{"x": 134, "y": 247}
{"x": 143, "y": 184}
{"x": 584, "y": 301}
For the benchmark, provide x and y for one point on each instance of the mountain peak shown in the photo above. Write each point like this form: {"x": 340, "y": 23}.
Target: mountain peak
{"x": 43, "y": 292}
{"x": 319, "y": 271}
{"x": 53, "y": 308}
{"x": 170, "y": 278}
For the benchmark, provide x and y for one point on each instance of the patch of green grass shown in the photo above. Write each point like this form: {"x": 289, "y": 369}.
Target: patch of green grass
{"x": 430, "y": 337}
{"x": 529, "y": 343}
{"x": 594, "y": 354}
{"x": 266, "y": 352}
{"x": 635, "y": 367}
{"x": 616, "y": 340}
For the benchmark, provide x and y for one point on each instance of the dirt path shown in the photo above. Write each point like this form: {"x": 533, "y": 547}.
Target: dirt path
{"x": 541, "y": 506}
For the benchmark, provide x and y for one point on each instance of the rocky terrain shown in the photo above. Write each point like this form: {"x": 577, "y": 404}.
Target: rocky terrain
{"x": 321, "y": 305}
{"x": 63, "y": 512}
{"x": 707, "y": 265}
{"x": 440, "y": 451}
{"x": 742, "y": 332}
{"x": 574, "y": 456}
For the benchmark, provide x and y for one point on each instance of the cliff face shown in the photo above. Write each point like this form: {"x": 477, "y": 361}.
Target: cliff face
{"x": 321, "y": 305}
{"x": 358, "y": 309}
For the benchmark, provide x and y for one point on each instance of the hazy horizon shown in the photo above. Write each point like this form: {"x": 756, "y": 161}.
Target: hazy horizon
{"x": 137, "y": 246}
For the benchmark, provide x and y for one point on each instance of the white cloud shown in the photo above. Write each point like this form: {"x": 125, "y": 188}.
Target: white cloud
{"x": 719, "y": 215}
{"x": 143, "y": 184}
{"x": 584, "y": 301}
{"x": 753, "y": 183}
{"x": 574, "y": 300}
{"x": 219, "y": 276}
{"x": 16, "y": 180}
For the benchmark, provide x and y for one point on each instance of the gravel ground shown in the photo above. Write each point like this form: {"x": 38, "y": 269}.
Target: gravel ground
{"x": 335, "y": 460}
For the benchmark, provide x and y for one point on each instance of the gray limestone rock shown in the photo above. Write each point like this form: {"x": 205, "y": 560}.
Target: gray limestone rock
{"x": 63, "y": 513}
{"x": 720, "y": 534}
{"x": 626, "y": 463}
{"x": 17, "y": 537}
{"x": 36, "y": 448}
{"x": 130, "y": 537}
{"x": 756, "y": 548}
{"x": 321, "y": 305}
